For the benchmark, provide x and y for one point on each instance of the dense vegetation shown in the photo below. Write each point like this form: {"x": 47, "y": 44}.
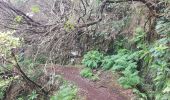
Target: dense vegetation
{"x": 129, "y": 38}
{"x": 136, "y": 65}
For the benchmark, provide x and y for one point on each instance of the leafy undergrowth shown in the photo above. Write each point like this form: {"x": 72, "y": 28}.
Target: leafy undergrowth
{"x": 4, "y": 84}
{"x": 124, "y": 63}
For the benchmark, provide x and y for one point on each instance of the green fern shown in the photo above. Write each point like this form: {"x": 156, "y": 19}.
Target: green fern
{"x": 129, "y": 80}
{"x": 92, "y": 59}
{"x": 87, "y": 73}
{"x": 107, "y": 62}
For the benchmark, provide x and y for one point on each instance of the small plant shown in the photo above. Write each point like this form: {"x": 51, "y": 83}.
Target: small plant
{"x": 33, "y": 96}
{"x": 139, "y": 36}
{"x": 35, "y": 9}
{"x": 87, "y": 73}
{"x": 18, "y": 19}
{"x": 92, "y": 59}
{"x": 95, "y": 77}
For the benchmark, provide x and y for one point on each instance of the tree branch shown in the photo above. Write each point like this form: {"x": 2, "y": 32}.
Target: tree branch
{"x": 150, "y": 6}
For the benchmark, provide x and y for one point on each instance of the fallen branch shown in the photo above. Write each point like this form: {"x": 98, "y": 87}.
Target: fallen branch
{"x": 24, "y": 76}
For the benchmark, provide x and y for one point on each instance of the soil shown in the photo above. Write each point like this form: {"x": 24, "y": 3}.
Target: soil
{"x": 106, "y": 88}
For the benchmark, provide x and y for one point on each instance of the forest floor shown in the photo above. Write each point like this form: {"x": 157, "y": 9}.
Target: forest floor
{"x": 106, "y": 88}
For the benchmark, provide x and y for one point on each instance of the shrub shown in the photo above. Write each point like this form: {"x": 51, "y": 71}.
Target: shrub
{"x": 92, "y": 59}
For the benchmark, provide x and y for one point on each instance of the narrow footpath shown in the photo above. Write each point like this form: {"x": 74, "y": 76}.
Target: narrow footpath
{"x": 92, "y": 90}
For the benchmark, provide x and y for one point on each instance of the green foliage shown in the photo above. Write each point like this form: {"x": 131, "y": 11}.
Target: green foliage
{"x": 20, "y": 98}
{"x": 142, "y": 96}
{"x": 160, "y": 53}
{"x": 139, "y": 38}
{"x": 98, "y": 1}
{"x": 122, "y": 23}
{"x": 124, "y": 61}
{"x": 129, "y": 80}
{"x": 92, "y": 59}
{"x": 41, "y": 59}
{"x": 155, "y": 57}
{"x": 87, "y": 73}
{"x": 18, "y": 19}
{"x": 68, "y": 26}
{"x": 163, "y": 28}
{"x": 167, "y": 87}
{"x": 107, "y": 62}
{"x": 33, "y": 96}
{"x": 3, "y": 85}
{"x": 144, "y": 57}
{"x": 7, "y": 42}
{"x": 35, "y": 9}
{"x": 120, "y": 61}
{"x": 31, "y": 68}
{"x": 120, "y": 43}
{"x": 66, "y": 92}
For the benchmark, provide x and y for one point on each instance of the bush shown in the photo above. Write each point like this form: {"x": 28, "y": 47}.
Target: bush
{"x": 92, "y": 59}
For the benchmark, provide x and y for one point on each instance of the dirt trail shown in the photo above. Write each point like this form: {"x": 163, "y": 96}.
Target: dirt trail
{"x": 90, "y": 89}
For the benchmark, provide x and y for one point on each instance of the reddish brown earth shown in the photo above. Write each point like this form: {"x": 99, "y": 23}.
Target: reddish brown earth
{"x": 104, "y": 89}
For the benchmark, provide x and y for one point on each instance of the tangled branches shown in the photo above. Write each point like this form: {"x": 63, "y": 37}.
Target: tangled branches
{"x": 64, "y": 26}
